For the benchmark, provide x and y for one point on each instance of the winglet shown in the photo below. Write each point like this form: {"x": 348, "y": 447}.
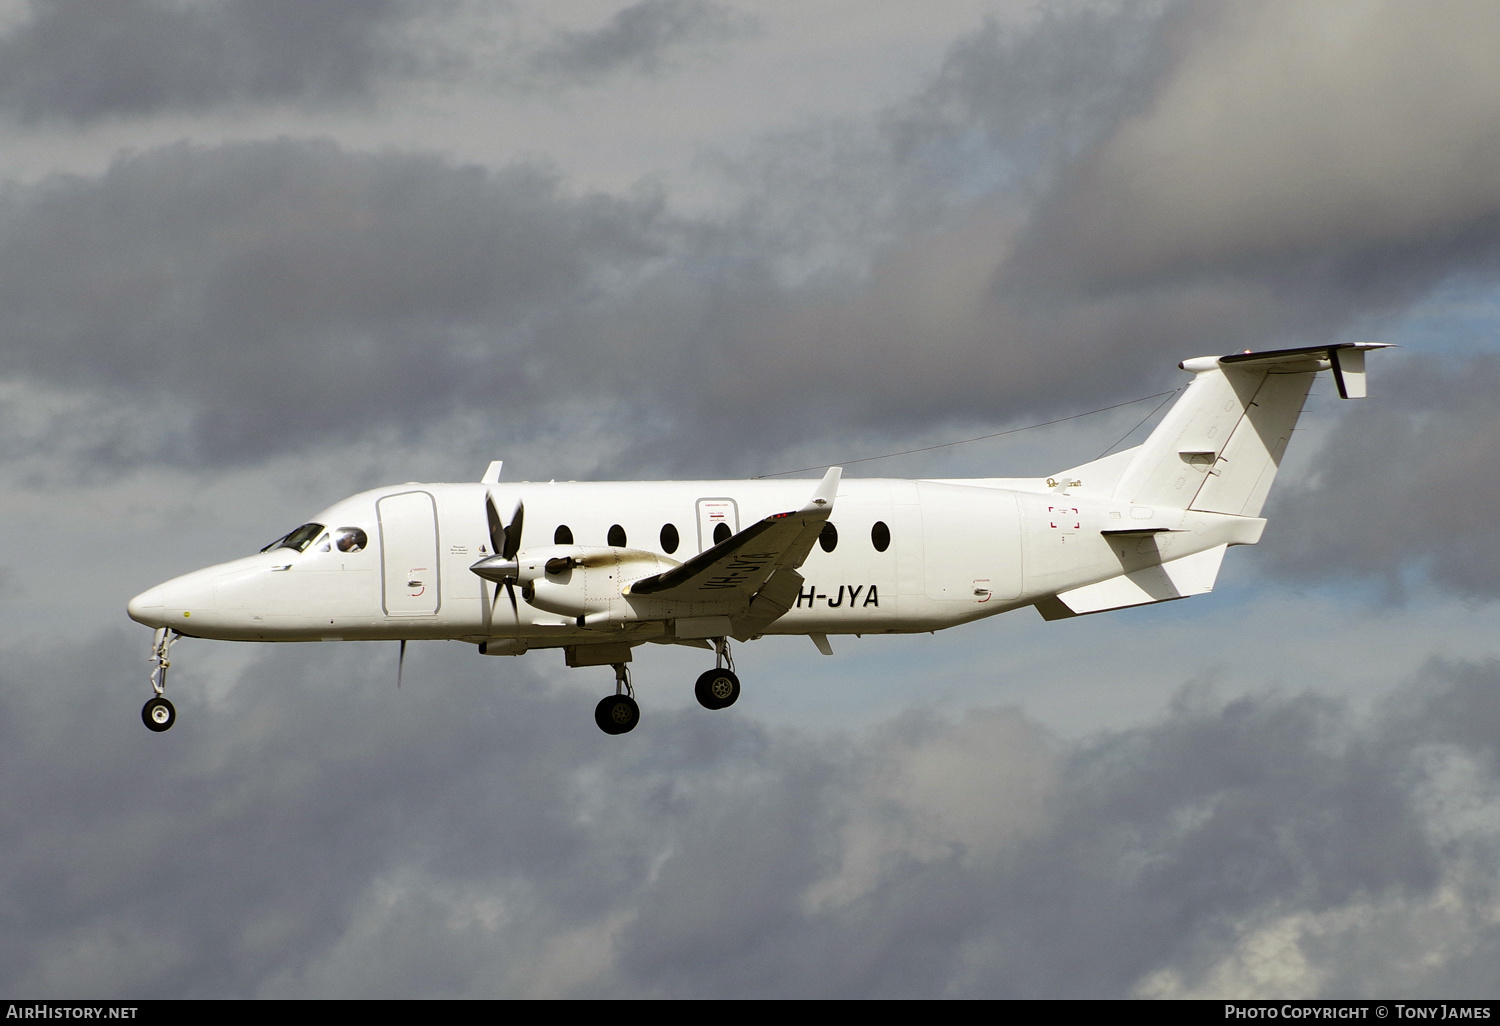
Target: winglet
{"x": 492, "y": 473}
{"x": 822, "y": 499}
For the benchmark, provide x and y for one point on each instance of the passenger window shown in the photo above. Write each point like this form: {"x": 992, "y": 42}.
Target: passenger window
{"x": 562, "y": 536}
{"x": 721, "y": 532}
{"x": 828, "y": 538}
{"x": 880, "y": 536}
{"x": 669, "y": 538}
{"x": 617, "y": 536}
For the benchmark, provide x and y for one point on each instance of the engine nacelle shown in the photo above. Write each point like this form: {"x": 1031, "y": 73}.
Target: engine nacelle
{"x": 583, "y": 581}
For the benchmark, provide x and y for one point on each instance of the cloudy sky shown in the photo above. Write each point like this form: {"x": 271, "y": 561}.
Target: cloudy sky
{"x": 256, "y": 255}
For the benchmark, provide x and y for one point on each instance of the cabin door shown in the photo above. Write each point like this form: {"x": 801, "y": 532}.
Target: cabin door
{"x": 409, "y": 553}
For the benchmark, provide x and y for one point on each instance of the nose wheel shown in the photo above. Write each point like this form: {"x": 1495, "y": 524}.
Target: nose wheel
{"x": 159, "y": 714}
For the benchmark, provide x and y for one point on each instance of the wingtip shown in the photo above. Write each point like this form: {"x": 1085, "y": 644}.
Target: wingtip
{"x": 822, "y": 497}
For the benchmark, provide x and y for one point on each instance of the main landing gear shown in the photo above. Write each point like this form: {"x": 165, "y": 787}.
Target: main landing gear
{"x": 618, "y": 713}
{"x": 716, "y": 689}
{"x": 159, "y": 714}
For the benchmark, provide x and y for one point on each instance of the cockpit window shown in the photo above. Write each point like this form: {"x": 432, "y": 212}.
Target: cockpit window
{"x": 350, "y": 539}
{"x": 299, "y": 539}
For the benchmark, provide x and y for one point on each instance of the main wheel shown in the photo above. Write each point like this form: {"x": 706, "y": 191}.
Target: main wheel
{"x": 717, "y": 689}
{"x": 158, "y": 714}
{"x": 617, "y": 714}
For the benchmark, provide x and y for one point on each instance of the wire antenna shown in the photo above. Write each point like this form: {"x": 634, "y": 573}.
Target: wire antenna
{"x": 997, "y": 434}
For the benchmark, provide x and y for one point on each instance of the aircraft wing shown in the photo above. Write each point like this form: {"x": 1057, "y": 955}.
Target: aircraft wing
{"x": 737, "y": 568}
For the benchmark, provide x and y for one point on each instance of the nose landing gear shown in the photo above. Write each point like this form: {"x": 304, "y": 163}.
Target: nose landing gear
{"x": 159, "y": 714}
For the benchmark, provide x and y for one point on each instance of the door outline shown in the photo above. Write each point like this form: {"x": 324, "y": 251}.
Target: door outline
{"x": 402, "y": 535}
{"x": 716, "y": 509}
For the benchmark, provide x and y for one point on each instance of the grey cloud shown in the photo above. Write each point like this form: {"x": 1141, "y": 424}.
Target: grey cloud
{"x": 310, "y": 831}
{"x": 1016, "y": 247}
{"x": 978, "y": 285}
{"x": 643, "y": 38}
{"x": 283, "y": 291}
{"x": 77, "y": 61}
{"x": 1039, "y": 93}
{"x": 1406, "y": 485}
{"x": 273, "y": 294}
{"x": 1282, "y": 139}
{"x": 286, "y": 290}
{"x": 1170, "y": 181}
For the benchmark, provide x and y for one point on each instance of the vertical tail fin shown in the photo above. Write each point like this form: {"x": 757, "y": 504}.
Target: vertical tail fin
{"x": 1218, "y": 448}
{"x": 1216, "y": 452}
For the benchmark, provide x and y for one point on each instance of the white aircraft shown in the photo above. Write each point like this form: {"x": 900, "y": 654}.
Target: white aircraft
{"x": 597, "y": 568}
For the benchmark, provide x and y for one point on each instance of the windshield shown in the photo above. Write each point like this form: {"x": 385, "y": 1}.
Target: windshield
{"x": 299, "y": 539}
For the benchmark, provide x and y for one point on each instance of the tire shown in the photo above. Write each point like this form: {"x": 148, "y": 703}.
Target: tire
{"x": 717, "y": 689}
{"x": 617, "y": 714}
{"x": 158, "y": 714}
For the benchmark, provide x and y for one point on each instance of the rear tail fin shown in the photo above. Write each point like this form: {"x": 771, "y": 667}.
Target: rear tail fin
{"x": 1216, "y": 452}
{"x": 1218, "y": 448}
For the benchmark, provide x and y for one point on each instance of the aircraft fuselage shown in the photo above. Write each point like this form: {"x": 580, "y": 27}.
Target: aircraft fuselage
{"x": 902, "y": 556}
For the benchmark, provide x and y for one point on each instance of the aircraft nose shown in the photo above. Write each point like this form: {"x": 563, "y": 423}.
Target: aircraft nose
{"x": 149, "y": 608}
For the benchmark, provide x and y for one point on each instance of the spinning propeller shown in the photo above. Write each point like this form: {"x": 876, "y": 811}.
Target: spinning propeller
{"x": 505, "y": 542}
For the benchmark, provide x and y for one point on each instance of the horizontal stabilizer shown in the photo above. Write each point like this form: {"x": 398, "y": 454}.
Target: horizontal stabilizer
{"x": 1293, "y": 356}
{"x": 1346, "y": 360}
{"x": 1179, "y": 578}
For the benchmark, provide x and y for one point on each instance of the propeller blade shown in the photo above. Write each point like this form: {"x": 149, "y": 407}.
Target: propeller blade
{"x": 400, "y": 664}
{"x": 513, "y": 533}
{"x": 497, "y": 529}
{"x": 505, "y": 542}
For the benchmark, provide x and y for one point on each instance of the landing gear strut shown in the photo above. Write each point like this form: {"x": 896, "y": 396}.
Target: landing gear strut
{"x": 716, "y": 689}
{"x": 719, "y": 687}
{"x": 618, "y": 713}
{"x": 158, "y": 714}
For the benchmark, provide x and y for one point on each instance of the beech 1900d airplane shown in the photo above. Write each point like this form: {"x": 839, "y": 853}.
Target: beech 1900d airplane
{"x": 596, "y": 569}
